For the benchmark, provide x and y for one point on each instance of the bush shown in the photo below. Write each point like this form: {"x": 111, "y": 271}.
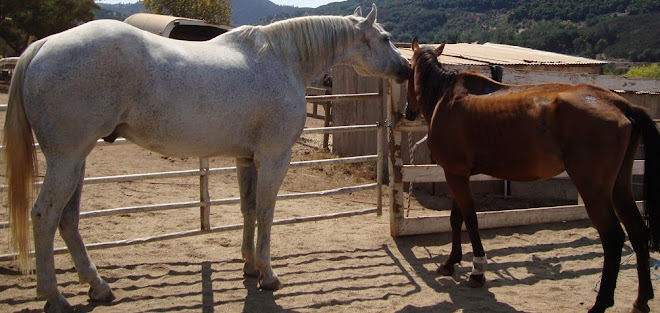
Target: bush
{"x": 650, "y": 71}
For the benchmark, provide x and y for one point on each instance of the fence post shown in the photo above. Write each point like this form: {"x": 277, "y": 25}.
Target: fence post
{"x": 383, "y": 85}
{"x": 205, "y": 209}
{"x": 395, "y": 165}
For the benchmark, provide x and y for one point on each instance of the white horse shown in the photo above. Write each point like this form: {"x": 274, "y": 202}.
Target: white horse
{"x": 239, "y": 95}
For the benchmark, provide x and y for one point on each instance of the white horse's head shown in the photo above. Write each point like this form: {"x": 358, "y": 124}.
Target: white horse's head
{"x": 372, "y": 52}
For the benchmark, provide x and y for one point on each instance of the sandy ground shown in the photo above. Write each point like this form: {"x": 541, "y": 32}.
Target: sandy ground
{"x": 339, "y": 265}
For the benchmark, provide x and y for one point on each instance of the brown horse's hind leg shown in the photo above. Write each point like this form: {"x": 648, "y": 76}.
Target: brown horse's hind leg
{"x": 597, "y": 195}
{"x": 637, "y": 232}
{"x": 601, "y": 213}
{"x": 460, "y": 189}
{"x": 632, "y": 221}
{"x": 456, "y": 255}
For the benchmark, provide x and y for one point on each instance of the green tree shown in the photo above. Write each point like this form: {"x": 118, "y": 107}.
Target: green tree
{"x": 212, "y": 11}
{"x": 601, "y": 44}
{"x": 24, "y": 20}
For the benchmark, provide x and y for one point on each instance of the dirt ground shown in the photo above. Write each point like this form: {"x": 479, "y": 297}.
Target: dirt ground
{"x": 338, "y": 265}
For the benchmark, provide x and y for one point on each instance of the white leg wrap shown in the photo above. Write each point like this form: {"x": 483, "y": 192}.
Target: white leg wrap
{"x": 479, "y": 265}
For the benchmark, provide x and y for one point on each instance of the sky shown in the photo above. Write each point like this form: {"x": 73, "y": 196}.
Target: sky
{"x": 297, "y": 3}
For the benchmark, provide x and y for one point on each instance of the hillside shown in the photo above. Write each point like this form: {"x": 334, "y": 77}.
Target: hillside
{"x": 250, "y": 11}
{"x": 610, "y": 29}
{"x": 118, "y": 11}
{"x": 243, "y": 11}
{"x": 622, "y": 29}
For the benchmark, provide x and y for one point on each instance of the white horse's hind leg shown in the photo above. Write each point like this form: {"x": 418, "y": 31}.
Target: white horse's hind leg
{"x": 247, "y": 180}
{"x": 62, "y": 179}
{"x": 99, "y": 290}
{"x": 270, "y": 174}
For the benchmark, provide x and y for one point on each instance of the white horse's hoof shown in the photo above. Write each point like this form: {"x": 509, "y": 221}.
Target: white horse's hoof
{"x": 273, "y": 284}
{"x": 59, "y": 306}
{"x": 102, "y": 293}
{"x": 250, "y": 270}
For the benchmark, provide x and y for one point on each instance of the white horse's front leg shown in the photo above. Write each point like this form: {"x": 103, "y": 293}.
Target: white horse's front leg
{"x": 247, "y": 183}
{"x": 271, "y": 172}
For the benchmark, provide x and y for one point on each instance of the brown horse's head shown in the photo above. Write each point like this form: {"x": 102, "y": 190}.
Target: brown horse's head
{"x": 421, "y": 57}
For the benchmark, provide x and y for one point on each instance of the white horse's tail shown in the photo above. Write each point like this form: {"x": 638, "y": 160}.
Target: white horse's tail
{"x": 21, "y": 161}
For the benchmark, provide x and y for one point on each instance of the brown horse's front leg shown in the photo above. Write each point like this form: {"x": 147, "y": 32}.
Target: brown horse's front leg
{"x": 460, "y": 188}
{"x": 456, "y": 255}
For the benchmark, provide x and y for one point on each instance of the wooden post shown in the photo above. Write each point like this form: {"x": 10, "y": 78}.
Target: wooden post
{"x": 382, "y": 86}
{"x": 395, "y": 164}
{"x": 205, "y": 209}
{"x": 327, "y": 120}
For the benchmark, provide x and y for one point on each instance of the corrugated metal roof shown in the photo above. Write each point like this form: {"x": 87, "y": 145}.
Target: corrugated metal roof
{"x": 499, "y": 54}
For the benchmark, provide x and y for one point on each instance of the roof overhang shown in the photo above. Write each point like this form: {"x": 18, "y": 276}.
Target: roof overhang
{"x": 499, "y": 54}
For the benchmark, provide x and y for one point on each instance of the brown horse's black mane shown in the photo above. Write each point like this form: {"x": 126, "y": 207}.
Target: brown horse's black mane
{"x": 436, "y": 81}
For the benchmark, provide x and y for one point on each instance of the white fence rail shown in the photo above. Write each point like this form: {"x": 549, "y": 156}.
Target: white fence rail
{"x": 204, "y": 172}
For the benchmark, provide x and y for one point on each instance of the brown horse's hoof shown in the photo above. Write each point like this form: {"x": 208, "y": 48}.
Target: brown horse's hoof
{"x": 597, "y": 309}
{"x": 272, "y": 285}
{"x": 63, "y": 307}
{"x": 640, "y": 308}
{"x": 476, "y": 281}
{"x": 446, "y": 269}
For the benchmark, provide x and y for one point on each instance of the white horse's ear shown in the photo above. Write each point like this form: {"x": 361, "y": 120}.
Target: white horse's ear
{"x": 357, "y": 12}
{"x": 371, "y": 17}
{"x": 415, "y": 44}
{"x": 439, "y": 49}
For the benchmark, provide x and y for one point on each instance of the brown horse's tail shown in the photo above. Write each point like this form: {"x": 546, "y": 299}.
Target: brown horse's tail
{"x": 21, "y": 161}
{"x": 651, "y": 140}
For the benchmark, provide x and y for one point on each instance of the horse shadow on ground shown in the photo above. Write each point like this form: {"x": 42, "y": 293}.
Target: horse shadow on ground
{"x": 319, "y": 280}
{"x": 498, "y": 273}
{"x": 324, "y": 279}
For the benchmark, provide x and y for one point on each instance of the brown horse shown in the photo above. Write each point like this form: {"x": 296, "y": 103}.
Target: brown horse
{"x": 532, "y": 132}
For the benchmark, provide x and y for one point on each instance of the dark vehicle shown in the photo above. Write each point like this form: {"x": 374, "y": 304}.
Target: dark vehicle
{"x": 7, "y": 66}
{"x": 176, "y": 27}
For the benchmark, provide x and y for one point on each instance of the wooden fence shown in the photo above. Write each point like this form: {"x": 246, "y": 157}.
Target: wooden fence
{"x": 205, "y": 203}
{"x": 400, "y": 173}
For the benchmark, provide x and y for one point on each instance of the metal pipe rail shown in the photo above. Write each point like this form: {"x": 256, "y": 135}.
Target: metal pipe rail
{"x": 225, "y": 201}
{"x": 197, "y": 232}
{"x": 189, "y": 173}
{"x": 324, "y": 98}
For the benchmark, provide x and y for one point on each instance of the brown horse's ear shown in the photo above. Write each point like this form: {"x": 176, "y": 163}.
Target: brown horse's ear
{"x": 439, "y": 49}
{"x": 415, "y": 44}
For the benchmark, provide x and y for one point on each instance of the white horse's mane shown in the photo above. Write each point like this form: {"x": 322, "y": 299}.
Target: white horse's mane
{"x": 311, "y": 36}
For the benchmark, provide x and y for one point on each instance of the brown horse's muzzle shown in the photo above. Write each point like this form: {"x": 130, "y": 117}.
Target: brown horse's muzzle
{"x": 404, "y": 72}
{"x": 410, "y": 115}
